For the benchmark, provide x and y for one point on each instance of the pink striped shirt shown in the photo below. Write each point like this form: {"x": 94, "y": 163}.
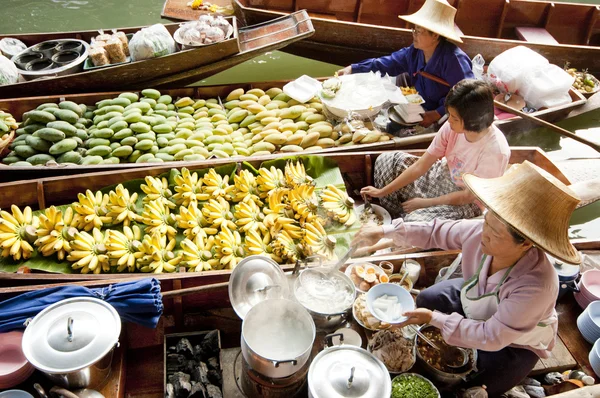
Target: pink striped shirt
{"x": 527, "y": 296}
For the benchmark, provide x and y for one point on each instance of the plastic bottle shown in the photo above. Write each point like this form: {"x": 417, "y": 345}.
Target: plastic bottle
{"x": 579, "y": 375}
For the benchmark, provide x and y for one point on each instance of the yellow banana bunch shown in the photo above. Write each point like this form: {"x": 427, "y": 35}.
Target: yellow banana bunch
{"x": 54, "y": 232}
{"x": 188, "y": 188}
{"x": 218, "y": 214}
{"x": 157, "y": 188}
{"x": 286, "y": 249}
{"x": 91, "y": 210}
{"x": 158, "y": 218}
{"x": 216, "y": 186}
{"x": 257, "y": 243}
{"x": 338, "y": 205}
{"x": 248, "y": 216}
{"x": 123, "y": 248}
{"x": 288, "y": 225}
{"x": 246, "y": 187}
{"x": 122, "y": 206}
{"x": 88, "y": 252}
{"x": 158, "y": 254}
{"x": 229, "y": 248}
{"x": 198, "y": 254}
{"x": 317, "y": 241}
{"x": 270, "y": 180}
{"x": 277, "y": 206}
{"x": 295, "y": 174}
{"x": 193, "y": 222}
{"x": 304, "y": 202}
{"x": 17, "y": 232}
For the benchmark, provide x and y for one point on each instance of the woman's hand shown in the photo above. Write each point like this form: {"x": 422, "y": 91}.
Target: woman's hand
{"x": 429, "y": 118}
{"x": 419, "y": 316}
{"x": 368, "y": 235}
{"x": 371, "y": 192}
{"x": 415, "y": 204}
{"x": 345, "y": 71}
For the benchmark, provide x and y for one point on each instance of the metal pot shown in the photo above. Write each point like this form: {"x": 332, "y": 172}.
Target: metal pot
{"x": 318, "y": 307}
{"x": 72, "y": 342}
{"x": 277, "y": 337}
{"x": 348, "y": 371}
{"x": 445, "y": 379}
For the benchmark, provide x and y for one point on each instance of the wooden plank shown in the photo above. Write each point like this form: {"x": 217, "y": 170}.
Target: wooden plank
{"x": 178, "y": 9}
{"x": 568, "y": 310}
{"x": 535, "y": 35}
{"x": 559, "y": 360}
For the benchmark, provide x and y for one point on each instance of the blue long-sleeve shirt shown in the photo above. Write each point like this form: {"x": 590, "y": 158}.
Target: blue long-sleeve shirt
{"x": 448, "y": 62}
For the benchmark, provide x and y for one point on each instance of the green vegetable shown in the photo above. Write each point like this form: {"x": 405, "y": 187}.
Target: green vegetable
{"x": 412, "y": 386}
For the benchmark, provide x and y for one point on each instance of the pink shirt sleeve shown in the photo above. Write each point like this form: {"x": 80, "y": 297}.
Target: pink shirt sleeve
{"x": 512, "y": 320}
{"x": 436, "y": 234}
{"x": 439, "y": 144}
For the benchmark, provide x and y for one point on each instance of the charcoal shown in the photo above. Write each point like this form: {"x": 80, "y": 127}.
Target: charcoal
{"x": 198, "y": 353}
{"x": 535, "y": 392}
{"x": 170, "y": 393}
{"x": 200, "y": 373}
{"x": 213, "y": 391}
{"x": 190, "y": 366}
{"x": 175, "y": 362}
{"x": 181, "y": 384}
{"x": 210, "y": 344}
{"x": 198, "y": 391}
{"x": 528, "y": 381}
{"x": 215, "y": 377}
{"x": 185, "y": 347}
{"x": 172, "y": 349}
{"x": 213, "y": 363}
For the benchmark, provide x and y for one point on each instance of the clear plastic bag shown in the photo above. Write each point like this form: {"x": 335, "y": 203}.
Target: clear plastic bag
{"x": 8, "y": 71}
{"x": 545, "y": 85}
{"x": 507, "y": 69}
{"x": 477, "y": 66}
{"x": 151, "y": 42}
{"x": 10, "y": 47}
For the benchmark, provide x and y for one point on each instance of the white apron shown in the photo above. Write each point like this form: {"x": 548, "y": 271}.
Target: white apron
{"x": 483, "y": 307}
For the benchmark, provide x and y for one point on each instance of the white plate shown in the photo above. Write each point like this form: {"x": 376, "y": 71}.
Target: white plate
{"x": 348, "y": 272}
{"x": 303, "y": 88}
{"x": 380, "y": 211}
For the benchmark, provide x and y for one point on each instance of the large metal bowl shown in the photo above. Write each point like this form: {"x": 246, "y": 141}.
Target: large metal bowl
{"x": 73, "y": 67}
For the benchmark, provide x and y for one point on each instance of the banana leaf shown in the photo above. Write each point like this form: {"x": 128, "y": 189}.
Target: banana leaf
{"x": 323, "y": 170}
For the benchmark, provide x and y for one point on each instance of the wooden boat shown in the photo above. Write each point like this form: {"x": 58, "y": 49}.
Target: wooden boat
{"x": 352, "y": 30}
{"x": 184, "y": 67}
{"x": 357, "y": 169}
{"x": 190, "y": 305}
{"x": 18, "y": 106}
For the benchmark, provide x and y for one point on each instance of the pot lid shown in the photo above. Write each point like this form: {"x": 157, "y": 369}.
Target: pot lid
{"x": 347, "y": 371}
{"x": 255, "y": 279}
{"x": 564, "y": 270}
{"x": 71, "y": 335}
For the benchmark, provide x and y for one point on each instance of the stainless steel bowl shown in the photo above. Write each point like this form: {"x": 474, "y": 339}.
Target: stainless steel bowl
{"x": 57, "y": 70}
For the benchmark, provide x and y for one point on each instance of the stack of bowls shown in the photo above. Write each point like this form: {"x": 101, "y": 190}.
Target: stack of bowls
{"x": 589, "y": 322}
{"x": 594, "y": 357}
{"x": 589, "y": 288}
{"x": 14, "y": 367}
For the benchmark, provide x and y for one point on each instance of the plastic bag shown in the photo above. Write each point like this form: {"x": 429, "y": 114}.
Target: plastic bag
{"x": 507, "y": 69}
{"x": 545, "y": 85}
{"x": 8, "y": 71}
{"x": 151, "y": 42}
{"x": 477, "y": 66}
{"x": 10, "y": 47}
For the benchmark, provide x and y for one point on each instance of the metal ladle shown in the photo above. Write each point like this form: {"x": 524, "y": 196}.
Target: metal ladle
{"x": 449, "y": 355}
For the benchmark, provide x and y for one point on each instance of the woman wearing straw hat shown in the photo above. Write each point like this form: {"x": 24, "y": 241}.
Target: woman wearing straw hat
{"x": 504, "y": 307}
{"x": 431, "y": 54}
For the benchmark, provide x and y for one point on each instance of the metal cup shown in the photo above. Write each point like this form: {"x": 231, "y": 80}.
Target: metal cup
{"x": 76, "y": 46}
{"x": 22, "y": 60}
{"x": 48, "y": 48}
{"x": 39, "y": 64}
{"x": 66, "y": 57}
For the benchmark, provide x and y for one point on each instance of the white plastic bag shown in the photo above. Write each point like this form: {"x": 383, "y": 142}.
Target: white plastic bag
{"x": 545, "y": 85}
{"x": 8, "y": 71}
{"x": 10, "y": 47}
{"x": 507, "y": 69}
{"x": 151, "y": 42}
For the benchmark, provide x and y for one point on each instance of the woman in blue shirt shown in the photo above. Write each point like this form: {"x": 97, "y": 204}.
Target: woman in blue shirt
{"x": 431, "y": 53}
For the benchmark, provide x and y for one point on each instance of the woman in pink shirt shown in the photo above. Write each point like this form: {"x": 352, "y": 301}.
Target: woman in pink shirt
{"x": 429, "y": 187}
{"x": 504, "y": 306}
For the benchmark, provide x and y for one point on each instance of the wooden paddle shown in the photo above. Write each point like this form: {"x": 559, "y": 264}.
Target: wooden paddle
{"x": 544, "y": 123}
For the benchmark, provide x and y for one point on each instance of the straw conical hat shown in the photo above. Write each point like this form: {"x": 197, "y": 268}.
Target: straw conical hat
{"x": 436, "y": 16}
{"x": 534, "y": 203}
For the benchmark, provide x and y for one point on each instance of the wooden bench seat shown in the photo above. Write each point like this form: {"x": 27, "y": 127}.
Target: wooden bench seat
{"x": 535, "y": 35}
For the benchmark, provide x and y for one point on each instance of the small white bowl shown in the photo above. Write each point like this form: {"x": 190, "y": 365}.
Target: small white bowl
{"x": 390, "y": 289}
{"x": 379, "y": 210}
